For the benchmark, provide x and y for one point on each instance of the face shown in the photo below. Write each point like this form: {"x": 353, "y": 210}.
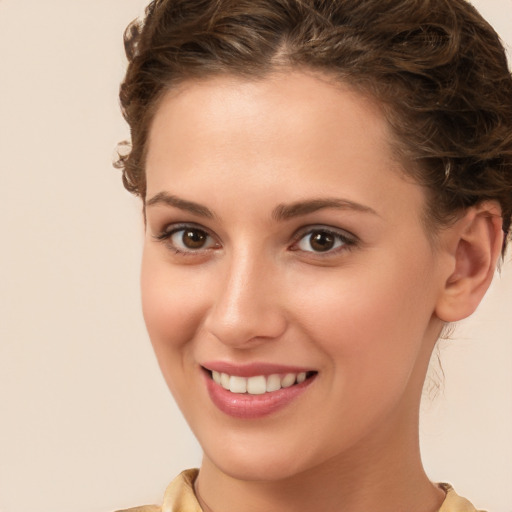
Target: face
{"x": 285, "y": 259}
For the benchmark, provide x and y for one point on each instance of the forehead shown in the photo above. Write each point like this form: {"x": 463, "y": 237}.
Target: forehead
{"x": 295, "y": 133}
{"x": 298, "y": 106}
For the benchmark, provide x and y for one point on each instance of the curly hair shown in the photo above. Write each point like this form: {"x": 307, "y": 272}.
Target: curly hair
{"x": 436, "y": 67}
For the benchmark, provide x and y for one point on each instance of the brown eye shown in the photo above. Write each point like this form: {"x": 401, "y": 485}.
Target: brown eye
{"x": 323, "y": 240}
{"x": 190, "y": 239}
{"x": 194, "y": 238}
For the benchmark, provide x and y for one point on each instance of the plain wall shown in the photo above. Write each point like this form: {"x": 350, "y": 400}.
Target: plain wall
{"x": 86, "y": 422}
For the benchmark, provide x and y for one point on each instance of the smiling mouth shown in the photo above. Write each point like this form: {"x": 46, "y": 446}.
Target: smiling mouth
{"x": 258, "y": 384}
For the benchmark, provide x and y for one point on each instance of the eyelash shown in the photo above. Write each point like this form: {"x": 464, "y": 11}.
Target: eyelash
{"x": 166, "y": 235}
{"x": 345, "y": 240}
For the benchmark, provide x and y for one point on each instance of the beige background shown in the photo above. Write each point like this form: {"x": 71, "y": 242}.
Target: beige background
{"x": 86, "y": 423}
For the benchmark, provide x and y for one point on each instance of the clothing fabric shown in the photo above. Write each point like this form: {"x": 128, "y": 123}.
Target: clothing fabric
{"x": 180, "y": 497}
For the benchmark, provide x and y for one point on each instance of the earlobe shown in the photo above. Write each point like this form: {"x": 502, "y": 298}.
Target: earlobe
{"x": 476, "y": 242}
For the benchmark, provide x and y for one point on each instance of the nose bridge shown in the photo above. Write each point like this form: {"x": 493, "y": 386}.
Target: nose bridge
{"x": 246, "y": 307}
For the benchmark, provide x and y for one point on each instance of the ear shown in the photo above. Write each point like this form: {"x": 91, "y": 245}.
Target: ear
{"x": 475, "y": 243}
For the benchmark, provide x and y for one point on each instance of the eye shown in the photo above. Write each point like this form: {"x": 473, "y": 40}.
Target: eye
{"x": 188, "y": 239}
{"x": 322, "y": 240}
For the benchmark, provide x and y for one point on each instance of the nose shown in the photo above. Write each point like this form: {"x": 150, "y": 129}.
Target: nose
{"x": 247, "y": 309}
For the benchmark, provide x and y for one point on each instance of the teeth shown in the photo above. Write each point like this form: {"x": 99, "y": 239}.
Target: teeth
{"x": 237, "y": 384}
{"x": 288, "y": 380}
{"x": 259, "y": 384}
{"x": 224, "y": 380}
{"x": 256, "y": 385}
{"x": 273, "y": 383}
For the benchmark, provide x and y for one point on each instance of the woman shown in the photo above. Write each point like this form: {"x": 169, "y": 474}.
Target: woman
{"x": 326, "y": 186}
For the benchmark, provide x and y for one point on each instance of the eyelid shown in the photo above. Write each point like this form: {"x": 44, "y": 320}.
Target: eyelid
{"x": 349, "y": 239}
{"x": 172, "y": 227}
{"x": 169, "y": 230}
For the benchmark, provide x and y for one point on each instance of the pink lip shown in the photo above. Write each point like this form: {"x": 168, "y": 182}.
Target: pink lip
{"x": 252, "y": 369}
{"x": 246, "y": 406}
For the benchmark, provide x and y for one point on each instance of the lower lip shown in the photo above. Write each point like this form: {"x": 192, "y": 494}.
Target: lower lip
{"x": 248, "y": 406}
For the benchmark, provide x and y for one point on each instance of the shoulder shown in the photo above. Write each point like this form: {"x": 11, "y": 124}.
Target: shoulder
{"x": 454, "y": 502}
{"x": 179, "y": 496}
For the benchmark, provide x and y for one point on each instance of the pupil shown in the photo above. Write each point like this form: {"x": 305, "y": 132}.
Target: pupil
{"x": 322, "y": 241}
{"x": 194, "y": 239}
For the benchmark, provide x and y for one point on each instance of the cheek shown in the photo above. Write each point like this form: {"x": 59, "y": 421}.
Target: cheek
{"x": 369, "y": 320}
{"x": 171, "y": 303}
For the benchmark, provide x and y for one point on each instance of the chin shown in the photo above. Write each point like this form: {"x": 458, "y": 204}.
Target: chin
{"x": 257, "y": 469}
{"x": 264, "y": 459}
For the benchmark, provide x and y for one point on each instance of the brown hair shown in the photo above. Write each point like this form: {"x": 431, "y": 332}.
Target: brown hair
{"x": 436, "y": 67}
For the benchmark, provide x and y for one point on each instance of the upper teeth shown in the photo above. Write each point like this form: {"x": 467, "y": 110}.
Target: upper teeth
{"x": 259, "y": 384}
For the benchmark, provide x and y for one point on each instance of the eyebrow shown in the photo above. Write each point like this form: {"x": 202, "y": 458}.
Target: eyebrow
{"x": 288, "y": 211}
{"x": 282, "y": 212}
{"x": 182, "y": 204}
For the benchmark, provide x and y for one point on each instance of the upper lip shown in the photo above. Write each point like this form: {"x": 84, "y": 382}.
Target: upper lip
{"x": 252, "y": 369}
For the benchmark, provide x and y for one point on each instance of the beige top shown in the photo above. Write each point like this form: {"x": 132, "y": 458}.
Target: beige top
{"x": 180, "y": 497}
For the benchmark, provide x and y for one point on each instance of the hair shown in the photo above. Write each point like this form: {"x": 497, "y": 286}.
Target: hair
{"x": 436, "y": 67}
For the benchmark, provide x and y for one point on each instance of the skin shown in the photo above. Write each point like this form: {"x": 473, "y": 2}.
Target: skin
{"x": 364, "y": 315}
